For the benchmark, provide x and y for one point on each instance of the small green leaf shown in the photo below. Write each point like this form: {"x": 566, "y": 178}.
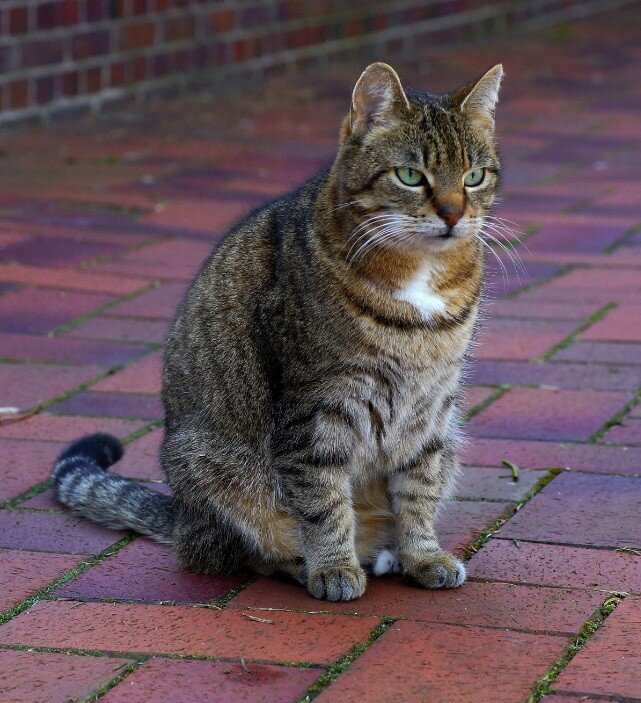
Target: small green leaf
{"x": 517, "y": 542}
{"x": 513, "y": 468}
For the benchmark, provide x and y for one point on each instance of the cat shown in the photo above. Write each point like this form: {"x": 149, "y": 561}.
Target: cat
{"x": 312, "y": 373}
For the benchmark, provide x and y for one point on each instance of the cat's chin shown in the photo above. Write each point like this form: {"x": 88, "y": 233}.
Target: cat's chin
{"x": 439, "y": 242}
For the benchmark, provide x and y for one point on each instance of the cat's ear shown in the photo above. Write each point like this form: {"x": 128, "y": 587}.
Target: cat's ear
{"x": 479, "y": 99}
{"x": 378, "y": 95}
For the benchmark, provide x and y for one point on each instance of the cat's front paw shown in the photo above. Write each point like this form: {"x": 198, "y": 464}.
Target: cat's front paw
{"x": 339, "y": 583}
{"x": 436, "y": 570}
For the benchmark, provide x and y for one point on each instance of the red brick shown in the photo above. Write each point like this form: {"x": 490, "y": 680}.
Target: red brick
{"x": 520, "y": 339}
{"x": 572, "y": 699}
{"x": 213, "y": 216}
{"x": 589, "y": 458}
{"x": 26, "y": 386}
{"x": 93, "y": 80}
{"x": 159, "y": 679}
{"x": 610, "y": 663}
{"x": 102, "y": 404}
{"x": 24, "y": 464}
{"x": 554, "y": 565}
{"x": 481, "y": 604}
{"x": 179, "y": 28}
{"x": 53, "y": 532}
{"x": 90, "y": 44}
{"x": 24, "y": 573}
{"x": 619, "y": 325}
{"x": 186, "y": 630}
{"x": 33, "y": 677}
{"x": 222, "y": 20}
{"x": 70, "y": 280}
{"x": 122, "y": 329}
{"x": 517, "y": 309}
{"x": 628, "y": 433}
{"x": 141, "y": 458}
{"x": 529, "y": 413}
{"x": 65, "y": 429}
{"x": 475, "y": 395}
{"x": 33, "y": 310}
{"x": 412, "y": 661}
{"x": 554, "y": 375}
{"x": 157, "y": 303}
{"x": 477, "y": 483}
{"x": 134, "y": 36}
{"x": 575, "y": 237}
{"x": 602, "y": 352}
{"x": 19, "y": 20}
{"x": 600, "y": 511}
{"x": 143, "y": 376}
{"x": 147, "y": 572}
{"x": 461, "y": 522}
{"x": 41, "y": 53}
{"x": 67, "y": 349}
{"x": 624, "y": 279}
{"x": 18, "y": 95}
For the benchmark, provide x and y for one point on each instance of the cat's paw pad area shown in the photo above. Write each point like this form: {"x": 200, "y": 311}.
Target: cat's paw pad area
{"x": 438, "y": 570}
{"x": 337, "y": 583}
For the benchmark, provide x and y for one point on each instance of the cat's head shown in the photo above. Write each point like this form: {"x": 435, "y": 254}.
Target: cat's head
{"x": 416, "y": 171}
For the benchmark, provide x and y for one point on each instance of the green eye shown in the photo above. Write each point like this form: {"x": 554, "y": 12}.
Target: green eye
{"x": 474, "y": 178}
{"x": 410, "y": 176}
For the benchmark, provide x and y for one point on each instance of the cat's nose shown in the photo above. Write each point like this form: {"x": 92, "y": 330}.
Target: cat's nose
{"x": 450, "y": 214}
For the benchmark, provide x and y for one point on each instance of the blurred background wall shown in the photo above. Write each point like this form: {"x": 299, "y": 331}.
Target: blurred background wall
{"x": 61, "y": 56}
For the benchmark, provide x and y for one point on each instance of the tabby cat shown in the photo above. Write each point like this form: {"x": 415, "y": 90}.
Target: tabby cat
{"x": 312, "y": 372}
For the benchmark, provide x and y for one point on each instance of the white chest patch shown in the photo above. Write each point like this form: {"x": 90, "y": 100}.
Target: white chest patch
{"x": 419, "y": 294}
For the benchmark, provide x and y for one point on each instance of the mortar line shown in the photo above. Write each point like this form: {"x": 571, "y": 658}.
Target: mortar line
{"x": 543, "y": 686}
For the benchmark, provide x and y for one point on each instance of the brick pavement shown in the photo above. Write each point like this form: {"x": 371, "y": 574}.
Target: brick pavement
{"x": 102, "y": 224}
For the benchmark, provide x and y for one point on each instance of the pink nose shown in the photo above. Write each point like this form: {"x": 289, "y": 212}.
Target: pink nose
{"x": 450, "y": 215}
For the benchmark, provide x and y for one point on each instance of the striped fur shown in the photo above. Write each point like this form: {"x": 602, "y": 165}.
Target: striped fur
{"x": 108, "y": 499}
{"x": 312, "y": 373}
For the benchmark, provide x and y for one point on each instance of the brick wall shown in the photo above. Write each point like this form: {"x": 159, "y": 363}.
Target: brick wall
{"x": 67, "y": 55}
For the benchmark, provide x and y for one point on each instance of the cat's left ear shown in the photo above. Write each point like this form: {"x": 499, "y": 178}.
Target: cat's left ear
{"x": 479, "y": 99}
{"x": 377, "y": 95}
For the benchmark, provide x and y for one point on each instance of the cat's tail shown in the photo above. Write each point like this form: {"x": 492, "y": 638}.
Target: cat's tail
{"x": 82, "y": 483}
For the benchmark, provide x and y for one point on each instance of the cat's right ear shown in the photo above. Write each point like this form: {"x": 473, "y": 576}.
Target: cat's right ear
{"x": 377, "y": 95}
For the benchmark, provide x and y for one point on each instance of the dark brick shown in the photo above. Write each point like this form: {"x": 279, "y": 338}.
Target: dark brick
{"x": 90, "y": 44}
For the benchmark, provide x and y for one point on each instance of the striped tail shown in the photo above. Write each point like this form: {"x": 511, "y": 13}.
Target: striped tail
{"x": 82, "y": 483}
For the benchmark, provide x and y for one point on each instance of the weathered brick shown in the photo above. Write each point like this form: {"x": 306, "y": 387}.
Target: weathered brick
{"x": 414, "y": 659}
{"x": 555, "y": 565}
{"x": 600, "y": 511}
{"x": 591, "y": 458}
{"x": 24, "y": 573}
{"x": 143, "y": 376}
{"x": 25, "y": 386}
{"x": 34, "y": 677}
{"x": 147, "y": 572}
{"x": 53, "y": 532}
{"x": 560, "y": 415}
{"x": 159, "y": 679}
{"x": 499, "y": 605}
{"x": 24, "y": 464}
{"x": 64, "y": 429}
{"x": 186, "y": 630}
{"x": 610, "y": 663}
{"x": 103, "y": 404}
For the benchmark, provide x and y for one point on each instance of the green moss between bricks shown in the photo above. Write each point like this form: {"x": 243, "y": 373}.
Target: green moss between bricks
{"x": 80, "y": 569}
{"x": 571, "y": 338}
{"x": 543, "y": 686}
{"x": 343, "y": 664}
{"x": 493, "y": 527}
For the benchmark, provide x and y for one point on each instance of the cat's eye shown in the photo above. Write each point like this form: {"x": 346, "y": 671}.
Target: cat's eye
{"x": 410, "y": 176}
{"x": 474, "y": 178}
